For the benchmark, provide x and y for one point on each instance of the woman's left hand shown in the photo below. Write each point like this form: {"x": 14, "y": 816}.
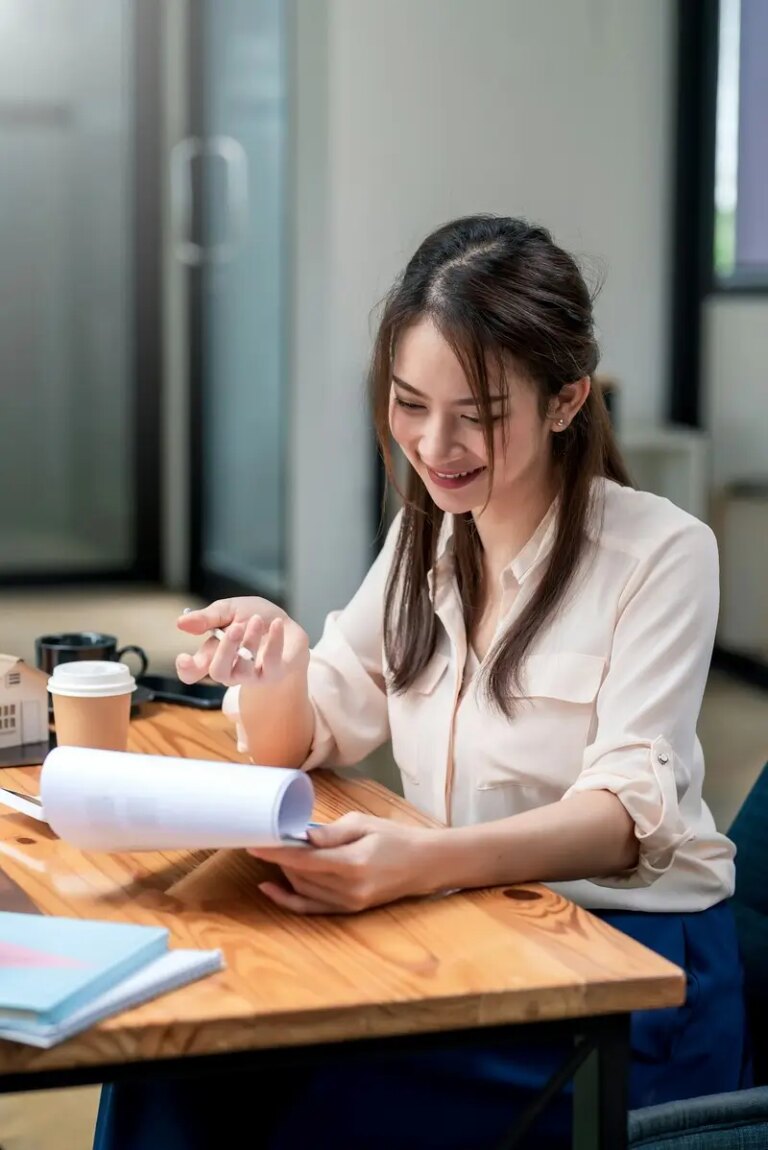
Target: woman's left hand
{"x": 354, "y": 863}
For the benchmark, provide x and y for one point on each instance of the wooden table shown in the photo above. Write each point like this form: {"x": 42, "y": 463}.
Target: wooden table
{"x": 437, "y": 971}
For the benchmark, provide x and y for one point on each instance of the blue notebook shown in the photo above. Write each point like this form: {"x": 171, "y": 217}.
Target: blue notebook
{"x": 51, "y": 966}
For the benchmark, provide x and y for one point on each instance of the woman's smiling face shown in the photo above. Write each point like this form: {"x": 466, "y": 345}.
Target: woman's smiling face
{"x": 434, "y": 419}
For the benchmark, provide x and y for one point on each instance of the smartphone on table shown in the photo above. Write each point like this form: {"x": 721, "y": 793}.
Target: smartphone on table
{"x": 169, "y": 690}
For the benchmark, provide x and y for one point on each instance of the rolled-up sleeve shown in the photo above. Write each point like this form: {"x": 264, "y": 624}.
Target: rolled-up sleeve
{"x": 644, "y": 750}
{"x": 346, "y": 676}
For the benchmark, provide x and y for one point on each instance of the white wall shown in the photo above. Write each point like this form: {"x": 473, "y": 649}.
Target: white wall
{"x": 735, "y": 386}
{"x": 411, "y": 112}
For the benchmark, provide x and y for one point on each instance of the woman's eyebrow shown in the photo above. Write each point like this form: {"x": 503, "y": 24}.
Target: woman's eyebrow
{"x": 470, "y": 402}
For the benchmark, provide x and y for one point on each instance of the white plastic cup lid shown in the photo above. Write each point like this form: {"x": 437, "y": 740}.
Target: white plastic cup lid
{"x": 92, "y": 679}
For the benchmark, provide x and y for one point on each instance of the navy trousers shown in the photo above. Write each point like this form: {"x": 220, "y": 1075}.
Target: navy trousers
{"x": 462, "y": 1099}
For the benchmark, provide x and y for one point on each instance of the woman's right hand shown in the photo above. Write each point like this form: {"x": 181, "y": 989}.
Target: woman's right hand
{"x": 280, "y": 647}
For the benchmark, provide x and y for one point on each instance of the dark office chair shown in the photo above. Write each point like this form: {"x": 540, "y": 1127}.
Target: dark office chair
{"x": 750, "y": 905}
{"x": 736, "y": 1121}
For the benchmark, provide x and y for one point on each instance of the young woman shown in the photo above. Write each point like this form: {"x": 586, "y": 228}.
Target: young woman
{"x": 535, "y": 638}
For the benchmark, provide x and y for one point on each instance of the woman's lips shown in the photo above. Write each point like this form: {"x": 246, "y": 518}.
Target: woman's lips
{"x": 451, "y": 480}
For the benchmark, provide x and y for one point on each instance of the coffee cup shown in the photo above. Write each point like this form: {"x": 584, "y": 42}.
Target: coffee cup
{"x": 69, "y": 646}
{"x": 92, "y": 703}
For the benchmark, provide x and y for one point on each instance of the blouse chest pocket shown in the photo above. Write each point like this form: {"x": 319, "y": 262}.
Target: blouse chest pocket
{"x": 418, "y": 720}
{"x": 568, "y": 676}
{"x": 542, "y": 744}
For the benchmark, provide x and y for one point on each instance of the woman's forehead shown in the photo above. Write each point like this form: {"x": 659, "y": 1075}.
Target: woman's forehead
{"x": 425, "y": 361}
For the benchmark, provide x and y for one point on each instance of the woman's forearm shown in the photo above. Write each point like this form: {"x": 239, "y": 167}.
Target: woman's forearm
{"x": 589, "y": 835}
{"x": 278, "y": 721}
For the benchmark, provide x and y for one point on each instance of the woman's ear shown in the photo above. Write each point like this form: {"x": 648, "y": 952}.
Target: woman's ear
{"x": 564, "y": 407}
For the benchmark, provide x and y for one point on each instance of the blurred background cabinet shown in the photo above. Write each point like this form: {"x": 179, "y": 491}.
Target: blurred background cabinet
{"x": 740, "y": 520}
{"x": 671, "y": 461}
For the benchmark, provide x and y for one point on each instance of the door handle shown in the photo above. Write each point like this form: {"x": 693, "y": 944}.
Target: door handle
{"x": 232, "y": 153}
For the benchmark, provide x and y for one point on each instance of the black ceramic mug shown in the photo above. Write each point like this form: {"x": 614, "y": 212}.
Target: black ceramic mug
{"x": 50, "y": 650}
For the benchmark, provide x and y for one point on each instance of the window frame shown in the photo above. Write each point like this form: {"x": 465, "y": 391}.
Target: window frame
{"x": 693, "y": 208}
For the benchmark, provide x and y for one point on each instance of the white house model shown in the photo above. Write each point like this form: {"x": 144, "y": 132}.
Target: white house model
{"x": 23, "y": 703}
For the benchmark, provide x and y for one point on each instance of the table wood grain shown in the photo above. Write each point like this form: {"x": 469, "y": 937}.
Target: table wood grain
{"x": 471, "y": 959}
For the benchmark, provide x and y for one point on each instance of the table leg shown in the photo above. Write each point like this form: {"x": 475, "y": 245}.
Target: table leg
{"x": 601, "y": 1088}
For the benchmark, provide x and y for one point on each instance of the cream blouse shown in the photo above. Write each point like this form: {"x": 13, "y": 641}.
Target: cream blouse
{"x": 611, "y": 695}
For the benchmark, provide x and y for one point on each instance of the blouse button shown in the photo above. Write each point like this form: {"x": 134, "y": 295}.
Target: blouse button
{"x": 663, "y": 759}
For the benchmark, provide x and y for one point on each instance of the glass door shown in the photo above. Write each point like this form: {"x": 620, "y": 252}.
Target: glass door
{"x": 229, "y": 205}
{"x": 79, "y": 284}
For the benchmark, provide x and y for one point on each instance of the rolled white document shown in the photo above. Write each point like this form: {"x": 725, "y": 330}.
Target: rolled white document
{"x": 116, "y": 801}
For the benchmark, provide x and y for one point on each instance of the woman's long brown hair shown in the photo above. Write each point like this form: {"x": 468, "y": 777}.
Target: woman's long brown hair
{"x": 499, "y": 290}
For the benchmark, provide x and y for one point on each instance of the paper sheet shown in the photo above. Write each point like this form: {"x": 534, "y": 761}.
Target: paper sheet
{"x": 25, "y": 804}
{"x": 116, "y": 801}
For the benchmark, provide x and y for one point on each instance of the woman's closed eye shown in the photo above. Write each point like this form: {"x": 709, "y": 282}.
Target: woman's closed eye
{"x": 475, "y": 420}
{"x": 408, "y": 405}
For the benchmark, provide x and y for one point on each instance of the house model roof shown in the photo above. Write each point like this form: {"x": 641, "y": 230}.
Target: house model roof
{"x": 11, "y": 662}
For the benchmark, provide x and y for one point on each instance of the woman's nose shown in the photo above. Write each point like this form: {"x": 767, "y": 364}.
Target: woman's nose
{"x": 438, "y": 439}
